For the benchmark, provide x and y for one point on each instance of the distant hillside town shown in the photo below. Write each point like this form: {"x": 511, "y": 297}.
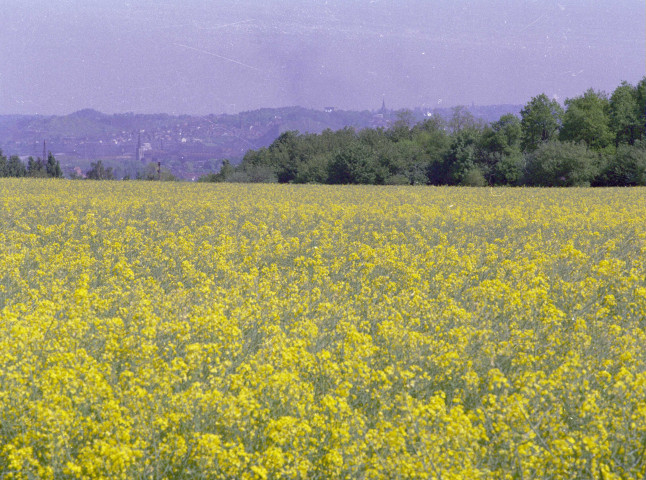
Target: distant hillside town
{"x": 187, "y": 146}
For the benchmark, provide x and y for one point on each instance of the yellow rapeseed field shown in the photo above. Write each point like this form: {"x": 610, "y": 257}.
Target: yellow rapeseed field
{"x": 197, "y": 331}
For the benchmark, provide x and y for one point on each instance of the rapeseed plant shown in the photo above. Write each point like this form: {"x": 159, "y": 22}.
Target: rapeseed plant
{"x": 271, "y": 331}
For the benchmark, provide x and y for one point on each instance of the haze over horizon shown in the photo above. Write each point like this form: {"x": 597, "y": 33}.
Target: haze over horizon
{"x": 201, "y": 57}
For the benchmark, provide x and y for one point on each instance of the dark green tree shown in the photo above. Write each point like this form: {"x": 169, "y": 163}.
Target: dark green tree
{"x": 98, "y": 171}
{"x": 503, "y": 136}
{"x": 254, "y": 174}
{"x": 433, "y": 137}
{"x": 3, "y": 165}
{"x": 400, "y": 130}
{"x": 36, "y": 168}
{"x": 474, "y": 178}
{"x": 499, "y": 151}
{"x": 315, "y": 168}
{"x": 562, "y": 164}
{"x": 587, "y": 119}
{"x": 540, "y": 122}
{"x": 53, "y": 167}
{"x": 283, "y": 154}
{"x": 225, "y": 170}
{"x": 15, "y": 167}
{"x": 627, "y": 167}
{"x": 624, "y": 114}
{"x": 355, "y": 164}
{"x": 508, "y": 170}
{"x": 641, "y": 108}
{"x": 404, "y": 159}
{"x": 374, "y": 138}
{"x": 256, "y": 157}
{"x": 461, "y": 157}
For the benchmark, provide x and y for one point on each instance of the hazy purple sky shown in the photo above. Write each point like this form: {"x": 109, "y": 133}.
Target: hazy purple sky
{"x": 211, "y": 56}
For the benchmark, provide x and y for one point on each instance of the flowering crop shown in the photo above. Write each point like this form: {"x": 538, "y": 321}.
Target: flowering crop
{"x": 199, "y": 331}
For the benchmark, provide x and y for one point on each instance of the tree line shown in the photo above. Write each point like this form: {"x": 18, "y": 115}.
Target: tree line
{"x": 38, "y": 167}
{"x": 596, "y": 139}
{"x": 152, "y": 171}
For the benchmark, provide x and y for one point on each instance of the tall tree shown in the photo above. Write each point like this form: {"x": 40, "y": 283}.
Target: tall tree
{"x": 404, "y": 159}
{"x": 99, "y": 172}
{"x": 587, "y": 119}
{"x": 500, "y": 156}
{"x": 3, "y": 165}
{"x": 504, "y": 135}
{"x": 53, "y": 167}
{"x": 641, "y": 107}
{"x": 432, "y": 136}
{"x": 540, "y": 121}
{"x": 15, "y": 167}
{"x": 461, "y": 158}
{"x": 400, "y": 130}
{"x": 624, "y": 114}
{"x": 36, "y": 168}
{"x": 283, "y": 152}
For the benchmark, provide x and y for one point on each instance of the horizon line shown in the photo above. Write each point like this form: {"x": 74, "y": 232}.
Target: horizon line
{"x": 174, "y": 114}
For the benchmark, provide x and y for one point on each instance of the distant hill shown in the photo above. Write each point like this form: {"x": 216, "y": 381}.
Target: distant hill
{"x": 187, "y": 144}
{"x": 91, "y": 124}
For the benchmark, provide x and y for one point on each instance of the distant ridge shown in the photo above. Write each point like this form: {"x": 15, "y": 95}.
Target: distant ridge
{"x": 93, "y": 123}
{"x": 189, "y": 144}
